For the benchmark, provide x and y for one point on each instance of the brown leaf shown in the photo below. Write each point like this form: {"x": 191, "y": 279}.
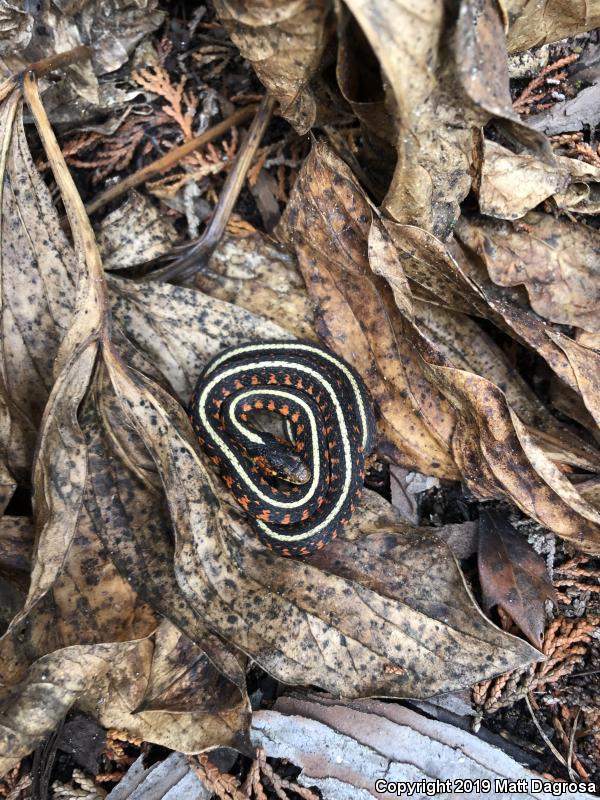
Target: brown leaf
{"x": 107, "y": 681}
{"x": 512, "y": 184}
{"x": 335, "y": 233}
{"x": 498, "y": 456}
{"x": 586, "y": 365}
{"x": 284, "y": 43}
{"x": 111, "y": 37}
{"x": 439, "y": 104}
{"x": 555, "y": 259}
{"x": 533, "y": 24}
{"x": 76, "y": 595}
{"x": 182, "y": 679}
{"x": 16, "y": 543}
{"x": 467, "y": 346}
{"x": 512, "y": 575}
{"x": 507, "y": 309}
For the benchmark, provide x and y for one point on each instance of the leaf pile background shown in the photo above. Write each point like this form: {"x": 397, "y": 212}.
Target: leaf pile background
{"x": 136, "y": 592}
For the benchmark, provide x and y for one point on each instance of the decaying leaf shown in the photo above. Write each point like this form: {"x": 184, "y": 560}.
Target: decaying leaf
{"x": 124, "y": 502}
{"x": 512, "y": 575}
{"x": 495, "y": 453}
{"x": 110, "y": 31}
{"x": 38, "y": 271}
{"x": 467, "y": 346}
{"x": 532, "y": 23}
{"x": 256, "y": 274}
{"x": 334, "y": 233}
{"x": 511, "y": 184}
{"x": 133, "y": 233}
{"x": 555, "y": 259}
{"x": 285, "y": 44}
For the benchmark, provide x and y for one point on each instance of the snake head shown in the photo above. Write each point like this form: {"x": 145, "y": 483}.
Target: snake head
{"x": 282, "y": 462}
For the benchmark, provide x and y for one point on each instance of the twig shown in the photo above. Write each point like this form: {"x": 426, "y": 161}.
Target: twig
{"x": 195, "y": 254}
{"x": 553, "y": 749}
{"x": 170, "y": 159}
{"x": 45, "y": 65}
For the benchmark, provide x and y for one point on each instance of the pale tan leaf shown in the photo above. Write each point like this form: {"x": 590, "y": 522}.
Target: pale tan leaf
{"x": 555, "y": 259}
{"x": 133, "y": 233}
{"x": 263, "y": 278}
{"x": 284, "y": 43}
{"x": 37, "y": 271}
{"x": 512, "y": 184}
{"x": 533, "y": 23}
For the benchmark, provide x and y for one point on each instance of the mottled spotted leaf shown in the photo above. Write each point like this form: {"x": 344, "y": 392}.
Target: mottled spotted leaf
{"x": 335, "y": 235}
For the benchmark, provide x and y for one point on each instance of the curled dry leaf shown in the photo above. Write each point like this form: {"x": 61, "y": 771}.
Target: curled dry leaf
{"x": 467, "y": 346}
{"x": 451, "y": 275}
{"x": 512, "y": 575}
{"x": 555, "y": 259}
{"x": 511, "y": 184}
{"x": 494, "y": 451}
{"x": 76, "y": 595}
{"x": 436, "y": 130}
{"x": 334, "y": 232}
{"x": 284, "y": 43}
{"x": 531, "y": 24}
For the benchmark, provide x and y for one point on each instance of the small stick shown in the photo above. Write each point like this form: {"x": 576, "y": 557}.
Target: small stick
{"x": 45, "y": 65}
{"x": 553, "y": 749}
{"x": 192, "y": 260}
{"x": 170, "y": 159}
{"x": 40, "y": 68}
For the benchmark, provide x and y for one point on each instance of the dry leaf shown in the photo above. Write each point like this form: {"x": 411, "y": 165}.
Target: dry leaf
{"x": 467, "y": 346}
{"x": 512, "y": 575}
{"x": 258, "y": 275}
{"x": 532, "y": 23}
{"x": 335, "y": 232}
{"x": 110, "y": 30}
{"x": 284, "y": 43}
{"x": 438, "y": 105}
{"x": 133, "y": 233}
{"x": 555, "y": 259}
{"x": 38, "y": 272}
{"x": 512, "y": 184}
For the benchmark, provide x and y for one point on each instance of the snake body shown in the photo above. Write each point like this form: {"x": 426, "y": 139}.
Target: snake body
{"x": 299, "y": 492}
